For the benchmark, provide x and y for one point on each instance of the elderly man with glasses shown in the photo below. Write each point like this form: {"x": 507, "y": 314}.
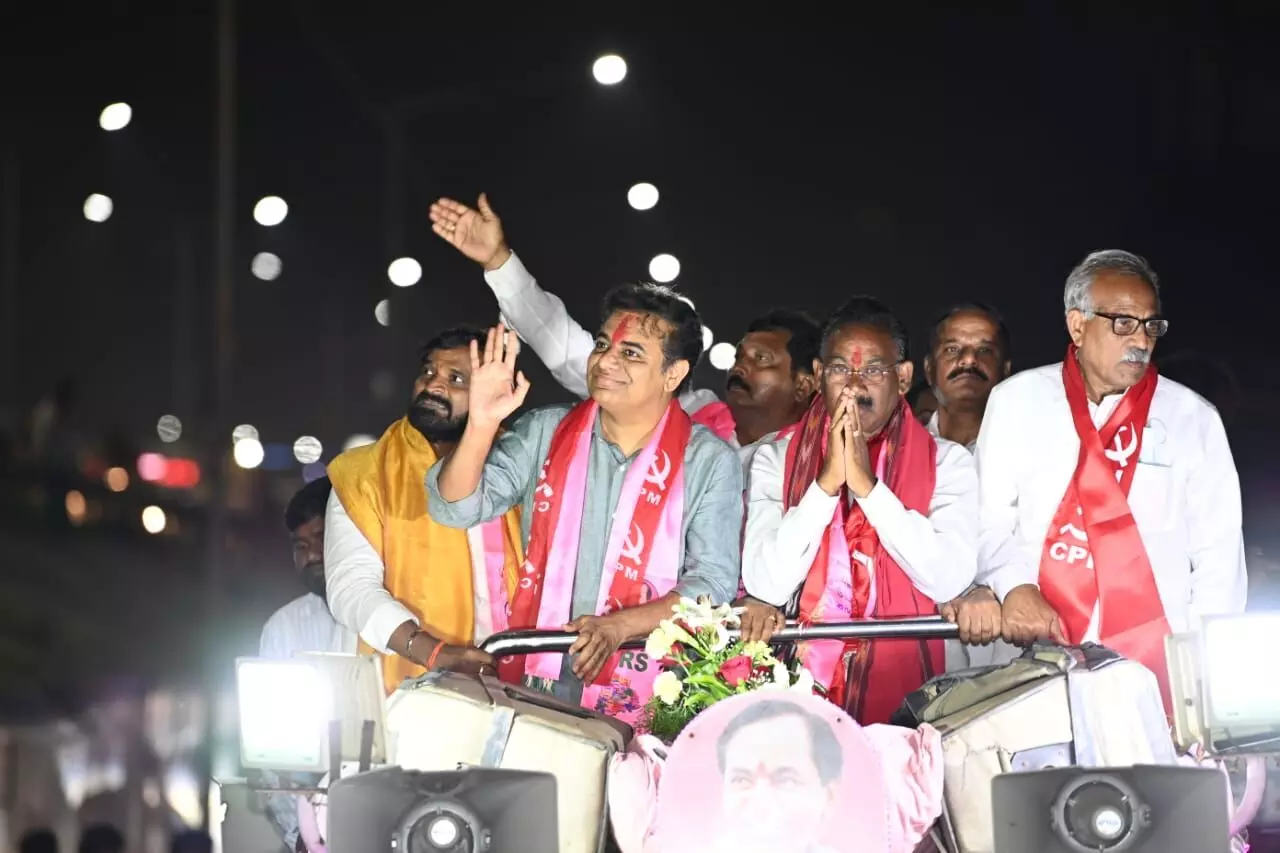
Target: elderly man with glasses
{"x": 857, "y": 512}
{"x": 1110, "y": 507}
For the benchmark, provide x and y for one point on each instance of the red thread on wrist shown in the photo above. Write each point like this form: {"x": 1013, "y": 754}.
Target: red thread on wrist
{"x": 431, "y": 658}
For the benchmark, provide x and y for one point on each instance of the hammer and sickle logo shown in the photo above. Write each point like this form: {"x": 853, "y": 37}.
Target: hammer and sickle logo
{"x": 634, "y": 546}
{"x": 658, "y": 473}
{"x": 1120, "y": 452}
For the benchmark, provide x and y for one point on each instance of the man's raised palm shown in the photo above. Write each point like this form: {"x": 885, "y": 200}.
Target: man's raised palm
{"x": 476, "y": 233}
{"x": 497, "y": 389}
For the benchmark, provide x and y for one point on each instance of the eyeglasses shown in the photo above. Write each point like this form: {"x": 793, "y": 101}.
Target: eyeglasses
{"x": 874, "y": 374}
{"x": 1124, "y": 325}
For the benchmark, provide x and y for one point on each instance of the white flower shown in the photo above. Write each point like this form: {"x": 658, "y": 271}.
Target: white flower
{"x": 761, "y": 654}
{"x": 721, "y": 639}
{"x": 668, "y": 687}
{"x": 781, "y": 675}
{"x": 804, "y": 681}
{"x": 658, "y": 645}
{"x": 675, "y": 633}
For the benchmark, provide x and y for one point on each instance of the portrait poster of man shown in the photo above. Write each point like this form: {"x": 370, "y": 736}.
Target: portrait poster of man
{"x": 772, "y": 771}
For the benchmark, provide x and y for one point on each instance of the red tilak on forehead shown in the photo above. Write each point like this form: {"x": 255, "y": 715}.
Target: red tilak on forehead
{"x": 624, "y": 326}
{"x": 856, "y": 358}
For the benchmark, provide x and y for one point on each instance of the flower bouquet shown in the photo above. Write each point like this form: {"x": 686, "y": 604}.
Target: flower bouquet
{"x": 700, "y": 666}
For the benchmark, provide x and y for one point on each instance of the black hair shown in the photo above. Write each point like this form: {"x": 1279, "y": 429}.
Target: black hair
{"x": 868, "y": 311}
{"x": 913, "y": 396}
{"x": 101, "y": 838}
{"x": 824, "y": 748}
{"x": 38, "y": 841}
{"x": 191, "y": 841}
{"x": 806, "y": 335}
{"x": 456, "y": 337}
{"x": 307, "y": 503}
{"x": 683, "y": 342}
{"x": 1003, "y": 340}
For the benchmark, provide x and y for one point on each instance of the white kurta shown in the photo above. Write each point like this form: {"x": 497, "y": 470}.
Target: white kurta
{"x": 304, "y": 625}
{"x": 543, "y": 322}
{"x": 357, "y": 594}
{"x": 938, "y": 552}
{"x": 1185, "y": 495}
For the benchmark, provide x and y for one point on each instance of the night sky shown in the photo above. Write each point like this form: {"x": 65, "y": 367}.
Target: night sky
{"x": 929, "y": 158}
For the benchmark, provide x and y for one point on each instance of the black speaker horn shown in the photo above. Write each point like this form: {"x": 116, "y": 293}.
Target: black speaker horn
{"x": 1142, "y": 809}
{"x": 473, "y": 810}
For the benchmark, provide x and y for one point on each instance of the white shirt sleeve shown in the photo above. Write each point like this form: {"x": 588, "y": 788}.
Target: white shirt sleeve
{"x": 543, "y": 322}
{"x": 938, "y": 553}
{"x": 1219, "y": 583}
{"x": 354, "y": 581}
{"x": 1002, "y": 565}
{"x": 778, "y": 548}
{"x": 274, "y": 643}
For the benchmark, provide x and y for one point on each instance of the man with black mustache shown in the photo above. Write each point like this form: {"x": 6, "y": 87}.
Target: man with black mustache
{"x": 858, "y": 512}
{"x": 969, "y": 353}
{"x": 768, "y": 388}
{"x": 303, "y": 625}
{"x": 422, "y": 594}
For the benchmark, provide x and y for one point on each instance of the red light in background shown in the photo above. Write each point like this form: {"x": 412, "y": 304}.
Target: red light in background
{"x": 152, "y": 467}
{"x": 181, "y": 474}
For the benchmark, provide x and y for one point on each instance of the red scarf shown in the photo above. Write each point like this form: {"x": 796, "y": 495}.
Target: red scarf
{"x": 875, "y": 676}
{"x": 628, "y": 586}
{"x": 1093, "y": 554}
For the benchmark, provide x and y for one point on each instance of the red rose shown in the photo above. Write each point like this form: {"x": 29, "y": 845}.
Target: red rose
{"x": 736, "y": 670}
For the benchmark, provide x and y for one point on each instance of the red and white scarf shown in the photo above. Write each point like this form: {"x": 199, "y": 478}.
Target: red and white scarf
{"x": 1093, "y": 554}
{"x": 853, "y": 576}
{"x": 641, "y": 564}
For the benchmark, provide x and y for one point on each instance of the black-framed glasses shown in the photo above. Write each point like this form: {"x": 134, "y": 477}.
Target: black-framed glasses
{"x": 1125, "y": 325}
{"x": 873, "y": 374}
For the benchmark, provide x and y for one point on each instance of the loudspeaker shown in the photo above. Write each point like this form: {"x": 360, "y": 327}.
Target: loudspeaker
{"x": 1144, "y": 809}
{"x": 472, "y": 810}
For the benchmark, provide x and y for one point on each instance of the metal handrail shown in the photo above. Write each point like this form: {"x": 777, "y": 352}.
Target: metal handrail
{"x": 506, "y": 643}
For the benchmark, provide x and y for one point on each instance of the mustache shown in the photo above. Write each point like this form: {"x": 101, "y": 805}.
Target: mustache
{"x": 972, "y": 371}
{"x": 427, "y": 397}
{"x": 1137, "y": 355}
{"x": 736, "y": 381}
{"x": 865, "y": 403}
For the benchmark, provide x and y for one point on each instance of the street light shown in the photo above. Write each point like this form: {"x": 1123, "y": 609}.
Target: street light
{"x": 115, "y": 116}
{"x": 270, "y": 210}
{"x": 358, "y": 440}
{"x": 723, "y": 355}
{"x": 707, "y": 338}
{"x": 244, "y": 431}
{"x": 98, "y": 207}
{"x": 169, "y": 428}
{"x": 307, "y": 449}
{"x": 404, "y": 272}
{"x": 153, "y": 520}
{"x": 248, "y": 453}
{"x": 266, "y": 266}
{"x": 609, "y": 70}
{"x": 642, "y": 196}
{"x": 382, "y": 312}
{"x": 664, "y": 268}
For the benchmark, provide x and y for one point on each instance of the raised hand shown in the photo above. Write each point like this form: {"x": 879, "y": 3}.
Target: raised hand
{"x": 497, "y": 389}
{"x": 832, "y": 476}
{"x": 475, "y": 233}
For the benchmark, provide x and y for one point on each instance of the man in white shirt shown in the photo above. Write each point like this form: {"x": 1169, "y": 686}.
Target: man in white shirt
{"x": 969, "y": 352}
{"x": 1110, "y": 504}
{"x": 303, "y": 625}
{"x": 768, "y": 388}
{"x": 858, "y": 512}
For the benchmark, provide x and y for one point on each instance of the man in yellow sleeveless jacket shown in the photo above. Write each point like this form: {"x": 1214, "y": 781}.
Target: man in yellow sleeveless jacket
{"x": 421, "y": 594}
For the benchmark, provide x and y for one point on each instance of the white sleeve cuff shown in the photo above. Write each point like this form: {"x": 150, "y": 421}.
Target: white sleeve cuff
{"x": 383, "y": 622}
{"x": 880, "y": 504}
{"x": 1005, "y": 580}
{"x": 813, "y": 513}
{"x": 510, "y": 279}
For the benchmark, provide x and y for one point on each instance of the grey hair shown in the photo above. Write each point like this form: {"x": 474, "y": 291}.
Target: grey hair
{"x": 1078, "y": 295}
